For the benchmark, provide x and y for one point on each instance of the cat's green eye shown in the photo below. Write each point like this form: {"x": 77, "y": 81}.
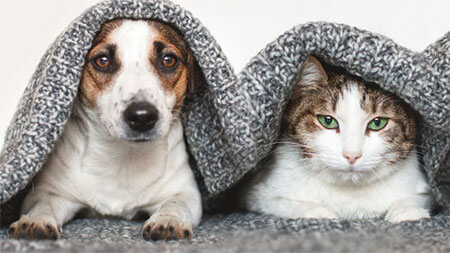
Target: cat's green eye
{"x": 327, "y": 121}
{"x": 377, "y": 124}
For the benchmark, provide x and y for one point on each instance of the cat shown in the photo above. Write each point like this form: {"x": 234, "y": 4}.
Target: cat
{"x": 347, "y": 151}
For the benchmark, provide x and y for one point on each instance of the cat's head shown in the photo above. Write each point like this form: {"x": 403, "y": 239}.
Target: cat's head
{"x": 346, "y": 128}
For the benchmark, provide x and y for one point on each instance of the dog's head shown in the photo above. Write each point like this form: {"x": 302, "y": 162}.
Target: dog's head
{"x": 136, "y": 77}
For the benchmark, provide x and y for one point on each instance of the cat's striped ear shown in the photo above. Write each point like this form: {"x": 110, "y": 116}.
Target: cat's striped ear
{"x": 311, "y": 74}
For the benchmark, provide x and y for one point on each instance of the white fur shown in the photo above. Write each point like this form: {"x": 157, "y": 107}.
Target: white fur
{"x": 351, "y": 138}
{"x": 137, "y": 81}
{"x": 115, "y": 177}
{"x": 94, "y": 164}
{"x": 328, "y": 186}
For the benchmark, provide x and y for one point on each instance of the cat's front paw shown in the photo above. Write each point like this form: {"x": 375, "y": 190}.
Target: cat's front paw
{"x": 166, "y": 227}
{"x": 406, "y": 213}
{"x": 35, "y": 228}
{"x": 319, "y": 212}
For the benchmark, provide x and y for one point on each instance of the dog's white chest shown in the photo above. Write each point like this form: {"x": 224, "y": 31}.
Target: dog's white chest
{"x": 112, "y": 185}
{"x": 119, "y": 179}
{"x": 123, "y": 190}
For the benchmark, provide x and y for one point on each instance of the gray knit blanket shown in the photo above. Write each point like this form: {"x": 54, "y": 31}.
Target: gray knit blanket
{"x": 243, "y": 113}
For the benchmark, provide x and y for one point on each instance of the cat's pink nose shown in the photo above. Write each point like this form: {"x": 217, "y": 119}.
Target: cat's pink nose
{"x": 352, "y": 156}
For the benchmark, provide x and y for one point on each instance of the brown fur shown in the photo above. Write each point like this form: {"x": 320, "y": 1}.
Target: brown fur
{"x": 319, "y": 96}
{"x": 175, "y": 82}
{"x": 94, "y": 82}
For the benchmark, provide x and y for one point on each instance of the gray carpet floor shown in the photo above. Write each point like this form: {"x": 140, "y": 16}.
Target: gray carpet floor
{"x": 249, "y": 233}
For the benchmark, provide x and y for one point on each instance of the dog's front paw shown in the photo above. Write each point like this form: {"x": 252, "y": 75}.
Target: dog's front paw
{"x": 406, "y": 213}
{"x": 319, "y": 212}
{"x": 34, "y": 228}
{"x": 166, "y": 227}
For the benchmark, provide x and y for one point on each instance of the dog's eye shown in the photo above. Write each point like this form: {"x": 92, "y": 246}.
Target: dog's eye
{"x": 102, "y": 62}
{"x": 169, "y": 60}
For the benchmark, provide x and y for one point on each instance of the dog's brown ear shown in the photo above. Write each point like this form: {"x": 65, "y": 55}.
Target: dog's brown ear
{"x": 196, "y": 76}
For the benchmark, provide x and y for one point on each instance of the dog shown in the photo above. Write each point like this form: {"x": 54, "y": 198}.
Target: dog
{"x": 122, "y": 151}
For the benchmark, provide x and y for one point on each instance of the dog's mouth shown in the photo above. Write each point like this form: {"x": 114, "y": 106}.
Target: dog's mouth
{"x": 140, "y": 140}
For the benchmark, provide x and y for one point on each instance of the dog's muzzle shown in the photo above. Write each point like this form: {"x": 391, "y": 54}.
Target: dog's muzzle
{"x": 141, "y": 116}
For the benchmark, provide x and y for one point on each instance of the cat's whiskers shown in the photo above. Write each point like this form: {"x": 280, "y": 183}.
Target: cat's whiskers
{"x": 328, "y": 165}
{"x": 369, "y": 166}
{"x": 418, "y": 146}
{"x": 377, "y": 175}
{"x": 407, "y": 152}
{"x": 298, "y": 151}
{"x": 367, "y": 172}
{"x": 319, "y": 170}
{"x": 296, "y": 144}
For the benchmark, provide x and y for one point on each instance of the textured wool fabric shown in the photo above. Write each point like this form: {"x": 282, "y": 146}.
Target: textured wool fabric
{"x": 243, "y": 115}
{"x": 249, "y": 233}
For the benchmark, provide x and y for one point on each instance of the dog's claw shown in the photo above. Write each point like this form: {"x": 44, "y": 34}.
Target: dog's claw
{"x": 11, "y": 231}
{"x": 187, "y": 234}
{"x": 146, "y": 232}
{"x": 33, "y": 228}
{"x": 155, "y": 236}
{"x": 166, "y": 227}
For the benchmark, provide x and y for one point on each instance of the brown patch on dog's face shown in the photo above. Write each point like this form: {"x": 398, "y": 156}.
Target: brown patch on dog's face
{"x": 170, "y": 56}
{"x": 101, "y": 67}
{"x": 137, "y": 66}
{"x": 173, "y": 62}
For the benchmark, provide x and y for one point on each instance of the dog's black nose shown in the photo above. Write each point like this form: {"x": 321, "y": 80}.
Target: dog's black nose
{"x": 141, "y": 116}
